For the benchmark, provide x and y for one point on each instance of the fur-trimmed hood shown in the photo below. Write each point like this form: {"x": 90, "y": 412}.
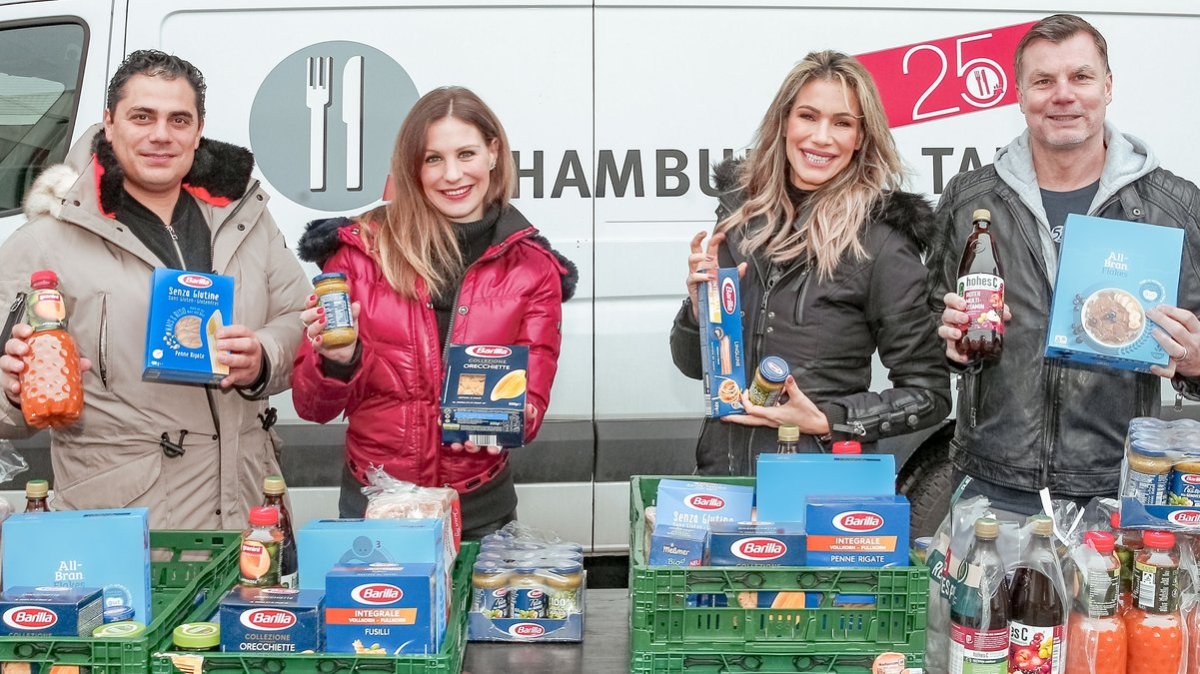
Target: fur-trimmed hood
{"x": 220, "y": 174}
{"x": 322, "y": 238}
{"x": 906, "y": 212}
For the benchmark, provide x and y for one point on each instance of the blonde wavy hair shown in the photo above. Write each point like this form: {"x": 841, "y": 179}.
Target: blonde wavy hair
{"x": 838, "y": 208}
{"x": 409, "y": 238}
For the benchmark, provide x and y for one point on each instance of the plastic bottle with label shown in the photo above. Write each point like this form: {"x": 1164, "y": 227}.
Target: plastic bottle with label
{"x": 1096, "y": 638}
{"x": 1129, "y": 542}
{"x": 36, "y": 494}
{"x": 979, "y": 638}
{"x": 52, "y": 381}
{"x": 1154, "y": 623}
{"x": 789, "y": 439}
{"x": 1038, "y": 609}
{"x": 981, "y": 284}
{"x": 259, "y": 563}
{"x": 274, "y": 496}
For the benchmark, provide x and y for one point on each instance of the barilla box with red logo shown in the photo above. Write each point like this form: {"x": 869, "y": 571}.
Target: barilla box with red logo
{"x": 108, "y": 549}
{"x": 684, "y": 503}
{"x": 186, "y": 308}
{"x": 721, "y": 351}
{"x": 676, "y": 546}
{"x": 755, "y": 544}
{"x": 271, "y": 620}
{"x": 50, "y": 611}
{"x": 384, "y": 609}
{"x": 483, "y": 395}
{"x": 857, "y": 530}
{"x": 785, "y": 480}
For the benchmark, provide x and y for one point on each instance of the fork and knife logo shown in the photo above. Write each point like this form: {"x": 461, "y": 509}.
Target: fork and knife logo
{"x": 319, "y": 87}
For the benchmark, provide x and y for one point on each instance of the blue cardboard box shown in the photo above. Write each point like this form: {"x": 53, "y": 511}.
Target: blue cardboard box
{"x": 676, "y": 546}
{"x": 693, "y": 504}
{"x": 384, "y": 609}
{"x": 186, "y": 308}
{"x": 50, "y": 611}
{"x": 785, "y": 480}
{"x": 721, "y": 349}
{"x": 483, "y": 396}
{"x": 271, "y": 620}
{"x": 756, "y": 544}
{"x": 1110, "y": 272}
{"x": 109, "y": 549}
{"x": 857, "y": 530}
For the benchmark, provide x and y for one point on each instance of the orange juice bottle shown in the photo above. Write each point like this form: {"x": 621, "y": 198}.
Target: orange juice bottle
{"x": 52, "y": 382}
{"x": 1096, "y": 641}
{"x": 1154, "y": 624}
{"x": 259, "y": 563}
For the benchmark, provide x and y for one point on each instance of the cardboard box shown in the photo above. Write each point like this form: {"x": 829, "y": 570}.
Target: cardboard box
{"x": 1110, "y": 273}
{"x": 483, "y": 396}
{"x": 785, "y": 480}
{"x": 50, "y": 611}
{"x": 271, "y": 620}
{"x": 383, "y": 609}
{"x": 721, "y": 350}
{"x": 109, "y": 549}
{"x": 676, "y": 546}
{"x": 857, "y": 530}
{"x": 755, "y": 544}
{"x": 186, "y": 308}
{"x": 695, "y": 504}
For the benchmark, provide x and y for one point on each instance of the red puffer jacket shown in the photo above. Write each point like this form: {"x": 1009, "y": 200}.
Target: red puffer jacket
{"x": 512, "y": 295}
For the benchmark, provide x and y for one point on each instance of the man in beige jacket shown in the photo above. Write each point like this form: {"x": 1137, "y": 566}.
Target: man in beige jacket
{"x": 145, "y": 191}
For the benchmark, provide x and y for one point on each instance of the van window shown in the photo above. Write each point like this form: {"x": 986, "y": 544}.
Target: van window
{"x": 40, "y": 72}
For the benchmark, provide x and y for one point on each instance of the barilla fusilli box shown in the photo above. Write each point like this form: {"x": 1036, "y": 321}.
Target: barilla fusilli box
{"x": 721, "y": 351}
{"x": 676, "y": 546}
{"x": 50, "y": 611}
{"x": 271, "y": 620}
{"x": 186, "y": 308}
{"x": 685, "y": 503}
{"x": 483, "y": 395}
{"x": 384, "y": 609}
{"x": 755, "y": 544}
{"x": 108, "y": 549}
{"x": 857, "y": 530}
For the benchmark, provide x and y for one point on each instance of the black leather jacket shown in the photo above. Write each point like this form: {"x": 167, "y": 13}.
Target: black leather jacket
{"x": 1029, "y": 422}
{"x": 828, "y": 330}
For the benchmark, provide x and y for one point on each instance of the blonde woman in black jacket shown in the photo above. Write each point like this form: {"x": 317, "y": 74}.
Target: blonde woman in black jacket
{"x": 829, "y": 250}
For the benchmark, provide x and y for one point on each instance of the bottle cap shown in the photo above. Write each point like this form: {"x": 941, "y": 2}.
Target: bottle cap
{"x": 774, "y": 369}
{"x": 331, "y": 275}
{"x": 1115, "y": 519}
{"x": 264, "y": 517}
{"x": 116, "y": 614}
{"x": 126, "y": 629}
{"x": 197, "y": 635}
{"x": 987, "y": 528}
{"x": 37, "y": 489}
{"x": 788, "y": 433}
{"x": 43, "y": 279}
{"x": 981, "y": 214}
{"x": 847, "y": 447}
{"x": 1101, "y": 541}
{"x": 273, "y": 485}
{"x": 1159, "y": 540}
{"x": 1042, "y": 525}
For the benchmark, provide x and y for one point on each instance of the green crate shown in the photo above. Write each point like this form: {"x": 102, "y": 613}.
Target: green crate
{"x": 178, "y": 588}
{"x": 726, "y": 663}
{"x": 448, "y": 660}
{"x": 662, "y": 622}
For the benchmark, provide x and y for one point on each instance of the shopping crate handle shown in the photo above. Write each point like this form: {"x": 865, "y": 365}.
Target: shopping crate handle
{"x": 747, "y": 663}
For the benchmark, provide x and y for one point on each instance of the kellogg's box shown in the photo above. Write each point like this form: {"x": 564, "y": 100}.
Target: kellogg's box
{"x": 1110, "y": 273}
{"x": 684, "y": 503}
{"x": 483, "y": 396}
{"x": 755, "y": 544}
{"x": 271, "y": 620}
{"x": 186, "y": 308}
{"x": 50, "y": 611}
{"x": 857, "y": 530}
{"x": 721, "y": 350}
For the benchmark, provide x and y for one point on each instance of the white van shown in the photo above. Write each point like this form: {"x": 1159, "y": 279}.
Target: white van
{"x": 616, "y": 112}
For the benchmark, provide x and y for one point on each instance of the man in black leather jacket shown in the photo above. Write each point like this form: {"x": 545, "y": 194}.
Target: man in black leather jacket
{"x": 1026, "y": 422}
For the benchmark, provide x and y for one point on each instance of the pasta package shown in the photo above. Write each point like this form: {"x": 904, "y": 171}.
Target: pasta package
{"x": 721, "y": 348}
{"x": 483, "y": 396}
{"x": 186, "y": 309}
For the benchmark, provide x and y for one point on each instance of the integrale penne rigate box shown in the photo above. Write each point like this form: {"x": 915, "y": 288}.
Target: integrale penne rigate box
{"x": 186, "y": 308}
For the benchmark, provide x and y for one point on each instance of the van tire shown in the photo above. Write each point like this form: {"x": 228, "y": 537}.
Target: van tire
{"x": 927, "y": 479}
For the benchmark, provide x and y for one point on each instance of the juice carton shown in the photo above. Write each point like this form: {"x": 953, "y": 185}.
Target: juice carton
{"x": 785, "y": 480}
{"x": 755, "y": 544}
{"x": 483, "y": 396}
{"x": 50, "y": 611}
{"x": 857, "y": 530}
{"x": 676, "y": 546}
{"x": 186, "y": 308}
{"x": 695, "y": 504}
{"x": 109, "y": 549}
{"x": 721, "y": 349}
{"x": 383, "y": 609}
{"x": 271, "y": 620}
{"x": 1110, "y": 273}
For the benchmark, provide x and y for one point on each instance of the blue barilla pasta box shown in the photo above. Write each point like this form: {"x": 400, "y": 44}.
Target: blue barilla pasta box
{"x": 693, "y": 504}
{"x": 677, "y": 546}
{"x": 483, "y": 395}
{"x": 1110, "y": 273}
{"x": 271, "y": 620}
{"x": 383, "y": 609}
{"x": 186, "y": 308}
{"x": 721, "y": 350}
{"x": 755, "y": 544}
{"x": 50, "y": 611}
{"x": 857, "y": 530}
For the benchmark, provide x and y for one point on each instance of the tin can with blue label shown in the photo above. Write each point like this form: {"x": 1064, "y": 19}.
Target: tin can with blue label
{"x": 528, "y": 594}
{"x": 767, "y": 385}
{"x": 1185, "y": 484}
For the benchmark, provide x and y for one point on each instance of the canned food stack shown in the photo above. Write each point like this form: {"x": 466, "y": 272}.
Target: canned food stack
{"x": 1160, "y": 475}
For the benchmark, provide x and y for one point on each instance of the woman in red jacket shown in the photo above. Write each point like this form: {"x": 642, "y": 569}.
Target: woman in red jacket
{"x": 447, "y": 260}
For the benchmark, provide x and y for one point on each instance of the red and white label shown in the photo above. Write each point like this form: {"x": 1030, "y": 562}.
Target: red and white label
{"x": 1034, "y": 648}
{"x": 270, "y": 619}
{"x": 858, "y": 521}
{"x": 978, "y": 651}
{"x": 759, "y": 549}
{"x": 1190, "y": 478}
{"x": 376, "y": 594}
{"x": 728, "y": 295}
{"x": 704, "y": 502}
{"x": 946, "y": 77}
{"x": 195, "y": 281}
{"x": 527, "y": 630}
{"x": 30, "y": 617}
{"x": 489, "y": 351}
{"x": 1186, "y": 518}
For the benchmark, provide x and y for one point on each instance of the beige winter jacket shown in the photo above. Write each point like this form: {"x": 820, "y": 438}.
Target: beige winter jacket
{"x": 113, "y": 457}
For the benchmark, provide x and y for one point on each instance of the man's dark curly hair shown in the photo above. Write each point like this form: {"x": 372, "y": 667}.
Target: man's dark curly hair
{"x": 154, "y": 63}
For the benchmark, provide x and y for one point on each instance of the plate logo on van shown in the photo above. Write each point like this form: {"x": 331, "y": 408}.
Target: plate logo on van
{"x": 704, "y": 502}
{"x": 858, "y": 521}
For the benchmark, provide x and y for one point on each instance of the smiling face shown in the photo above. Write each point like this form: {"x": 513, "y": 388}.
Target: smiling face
{"x": 456, "y": 169}
{"x": 1064, "y": 90}
{"x": 824, "y": 129}
{"x": 154, "y": 130}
